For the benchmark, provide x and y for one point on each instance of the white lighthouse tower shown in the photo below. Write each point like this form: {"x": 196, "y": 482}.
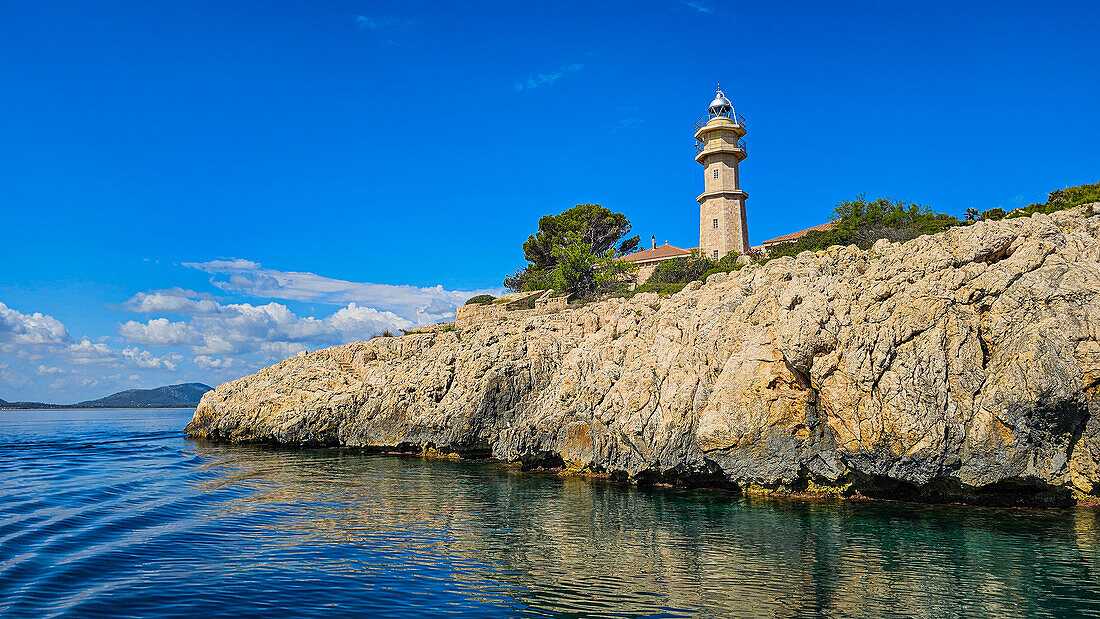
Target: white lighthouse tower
{"x": 719, "y": 148}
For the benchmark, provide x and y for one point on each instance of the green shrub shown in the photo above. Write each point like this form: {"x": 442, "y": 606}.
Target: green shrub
{"x": 1026, "y": 211}
{"x": 718, "y": 270}
{"x": 1061, "y": 199}
{"x": 663, "y": 289}
{"x": 1073, "y": 196}
{"x": 527, "y": 302}
{"x": 575, "y": 252}
{"x": 859, "y": 222}
{"x": 445, "y": 328}
{"x": 729, "y": 261}
{"x": 587, "y": 275}
{"x": 481, "y": 299}
{"x": 693, "y": 268}
{"x": 680, "y": 270}
{"x": 814, "y": 241}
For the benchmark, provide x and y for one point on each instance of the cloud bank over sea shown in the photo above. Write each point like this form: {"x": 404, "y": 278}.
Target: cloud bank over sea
{"x": 252, "y": 316}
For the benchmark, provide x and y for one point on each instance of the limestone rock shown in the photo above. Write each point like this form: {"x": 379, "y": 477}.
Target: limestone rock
{"x": 964, "y": 365}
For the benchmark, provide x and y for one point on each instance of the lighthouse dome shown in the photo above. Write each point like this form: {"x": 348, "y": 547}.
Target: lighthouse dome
{"x": 720, "y": 106}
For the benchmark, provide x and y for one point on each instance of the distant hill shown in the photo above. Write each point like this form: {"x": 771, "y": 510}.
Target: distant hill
{"x": 183, "y": 395}
{"x": 11, "y": 405}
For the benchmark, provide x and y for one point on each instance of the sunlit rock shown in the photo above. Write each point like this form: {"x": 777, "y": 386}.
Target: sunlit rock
{"x": 959, "y": 366}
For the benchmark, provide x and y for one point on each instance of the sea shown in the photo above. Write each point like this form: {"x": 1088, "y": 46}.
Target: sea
{"x": 116, "y": 513}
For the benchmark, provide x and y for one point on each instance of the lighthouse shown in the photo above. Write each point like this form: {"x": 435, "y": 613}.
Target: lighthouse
{"x": 719, "y": 147}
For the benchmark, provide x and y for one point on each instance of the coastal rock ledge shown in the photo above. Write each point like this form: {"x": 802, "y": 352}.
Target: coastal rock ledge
{"x": 963, "y": 366}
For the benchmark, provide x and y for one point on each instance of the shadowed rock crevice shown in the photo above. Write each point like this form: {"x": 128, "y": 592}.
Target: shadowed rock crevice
{"x": 958, "y": 367}
{"x": 1013, "y": 492}
{"x": 686, "y": 478}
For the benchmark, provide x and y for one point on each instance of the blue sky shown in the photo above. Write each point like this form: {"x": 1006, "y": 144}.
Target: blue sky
{"x": 192, "y": 190}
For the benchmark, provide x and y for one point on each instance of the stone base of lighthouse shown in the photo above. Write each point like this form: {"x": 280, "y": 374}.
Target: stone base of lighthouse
{"x": 723, "y": 227}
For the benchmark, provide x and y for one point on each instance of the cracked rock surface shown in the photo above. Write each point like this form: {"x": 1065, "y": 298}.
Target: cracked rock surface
{"x": 959, "y": 366}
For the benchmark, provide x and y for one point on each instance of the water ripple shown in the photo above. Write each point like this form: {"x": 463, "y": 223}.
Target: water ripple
{"x": 115, "y": 513}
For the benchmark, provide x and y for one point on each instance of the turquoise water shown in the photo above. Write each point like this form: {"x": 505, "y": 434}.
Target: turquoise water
{"x": 116, "y": 513}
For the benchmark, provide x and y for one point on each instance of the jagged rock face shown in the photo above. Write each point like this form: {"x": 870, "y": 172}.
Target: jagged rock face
{"x": 960, "y": 365}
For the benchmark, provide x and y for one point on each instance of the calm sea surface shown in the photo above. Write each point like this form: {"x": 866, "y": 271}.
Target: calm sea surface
{"x": 115, "y": 512}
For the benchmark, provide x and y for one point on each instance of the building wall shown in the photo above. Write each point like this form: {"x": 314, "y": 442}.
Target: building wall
{"x": 728, "y": 173}
{"x": 645, "y": 271}
{"x": 732, "y": 233}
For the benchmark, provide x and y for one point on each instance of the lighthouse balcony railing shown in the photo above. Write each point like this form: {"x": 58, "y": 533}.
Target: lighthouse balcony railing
{"x": 705, "y": 118}
{"x": 700, "y": 146}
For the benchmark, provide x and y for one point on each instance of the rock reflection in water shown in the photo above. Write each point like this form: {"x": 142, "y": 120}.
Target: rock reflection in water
{"x": 542, "y": 544}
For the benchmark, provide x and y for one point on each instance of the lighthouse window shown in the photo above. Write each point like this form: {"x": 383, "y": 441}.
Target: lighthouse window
{"x": 716, "y": 254}
{"x": 715, "y": 224}
{"x": 715, "y": 172}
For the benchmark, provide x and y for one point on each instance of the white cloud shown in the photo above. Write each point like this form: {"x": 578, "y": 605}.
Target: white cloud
{"x": 12, "y": 377}
{"x": 364, "y": 321}
{"x": 97, "y": 353}
{"x": 281, "y": 350}
{"x": 88, "y": 353}
{"x": 145, "y": 359}
{"x": 207, "y": 362}
{"x": 19, "y": 328}
{"x": 215, "y": 344}
{"x": 629, "y": 123}
{"x": 547, "y": 79}
{"x": 371, "y": 23}
{"x": 159, "y": 332}
{"x": 702, "y": 8}
{"x": 221, "y": 340}
{"x": 172, "y": 301}
{"x": 272, "y": 329}
{"x": 421, "y": 305}
{"x": 48, "y": 364}
{"x": 366, "y": 22}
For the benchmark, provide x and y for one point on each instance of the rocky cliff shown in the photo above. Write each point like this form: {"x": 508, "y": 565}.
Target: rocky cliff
{"x": 960, "y": 366}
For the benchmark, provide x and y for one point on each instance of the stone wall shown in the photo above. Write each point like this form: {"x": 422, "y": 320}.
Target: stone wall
{"x": 511, "y": 305}
{"x": 645, "y": 271}
{"x": 731, "y": 234}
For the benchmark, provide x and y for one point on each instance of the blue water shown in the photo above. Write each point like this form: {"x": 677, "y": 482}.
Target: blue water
{"x": 116, "y": 513}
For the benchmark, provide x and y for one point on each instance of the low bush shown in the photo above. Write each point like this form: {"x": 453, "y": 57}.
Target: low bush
{"x": 993, "y": 214}
{"x": 681, "y": 270}
{"x": 1061, "y": 199}
{"x": 481, "y": 299}
{"x": 718, "y": 270}
{"x": 859, "y": 222}
{"x": 694, "y": 268}
{"x": 445, "y": 328}
{"x": 663, "y": 289}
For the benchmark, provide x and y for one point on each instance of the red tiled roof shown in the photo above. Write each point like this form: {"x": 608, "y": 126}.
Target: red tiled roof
{"x": 664, "y": 252}
{"x": 794, "y": 236}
